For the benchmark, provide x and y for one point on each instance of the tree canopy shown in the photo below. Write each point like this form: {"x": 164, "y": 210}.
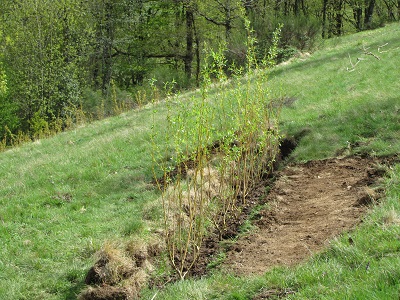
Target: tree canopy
{"x": 58, "y": 57}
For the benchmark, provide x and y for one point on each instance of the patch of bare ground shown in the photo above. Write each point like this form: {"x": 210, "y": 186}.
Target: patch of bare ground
{"x": 309, "y": 204}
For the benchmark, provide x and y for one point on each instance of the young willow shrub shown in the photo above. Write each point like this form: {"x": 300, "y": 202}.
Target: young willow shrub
{"x": 220, "y": 146}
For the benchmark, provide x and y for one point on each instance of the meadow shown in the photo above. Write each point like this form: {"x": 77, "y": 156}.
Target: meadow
{"x": 63, "y": 198}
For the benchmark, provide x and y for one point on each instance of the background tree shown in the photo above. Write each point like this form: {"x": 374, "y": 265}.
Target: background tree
{"x": 41, "y": 56}
{"x": 59, "y": 57}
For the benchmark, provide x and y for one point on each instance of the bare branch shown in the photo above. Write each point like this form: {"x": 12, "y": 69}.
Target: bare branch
{"x": 219, "y": 23}
{"x": 150, "y": 55}
{"x": 353, "y": 66}
{"x": 379, "y": 48}
{"x": 366, "y": 52}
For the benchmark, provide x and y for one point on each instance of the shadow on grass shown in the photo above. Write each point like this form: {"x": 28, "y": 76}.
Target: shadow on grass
{"x": 371, "y": 127}
{"x": 369, "y": 119}
{"x": 73, "y": 292}
{"x": 342, "y": 54}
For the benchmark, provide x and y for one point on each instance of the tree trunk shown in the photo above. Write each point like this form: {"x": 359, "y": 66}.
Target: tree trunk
{"x": 398, "y": 10}
{"x": 228, "y": 21}
{"x": 102, "y": 59}
{"x": 189, "y": 43}
{"x": 286, "y": 8}
{"x": 107, "y": 47}
{"x": 357, "y": 13}
{"x": 369, "y": 11}
{"x": 324, "y": 13}
{"x": 390, "y": 5}
{"x": 296, "y": 7}
{"x": 339, "y": 17}
{"x": 304, "y": 8}
{"x": 197, "y": 39}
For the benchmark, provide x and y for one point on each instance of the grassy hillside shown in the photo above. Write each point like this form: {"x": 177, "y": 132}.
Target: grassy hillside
{"x": 63, "y": 197}
{"x": 345, "y": 107}
{"x": 346, "y": 111}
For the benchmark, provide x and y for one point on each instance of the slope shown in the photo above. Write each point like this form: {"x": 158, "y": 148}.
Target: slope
{"x": 346, "y": 108}
{"x": 62, "y": 198}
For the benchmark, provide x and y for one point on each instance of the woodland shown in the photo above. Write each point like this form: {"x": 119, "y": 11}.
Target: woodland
{"x": 66, "y": 62}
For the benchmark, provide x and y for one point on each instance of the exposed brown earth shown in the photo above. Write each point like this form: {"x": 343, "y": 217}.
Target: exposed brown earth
{"x": 309, "y": 205}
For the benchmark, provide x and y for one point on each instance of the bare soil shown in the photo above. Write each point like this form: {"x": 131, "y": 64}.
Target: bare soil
{"x": 309, "y": 204}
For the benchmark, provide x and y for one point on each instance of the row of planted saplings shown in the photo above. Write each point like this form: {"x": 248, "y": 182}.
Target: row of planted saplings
{"x": 209, "y": 185}
{"x": 206, "y": 183}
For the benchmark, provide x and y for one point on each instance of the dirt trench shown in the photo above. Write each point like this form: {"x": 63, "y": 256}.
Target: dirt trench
{"x": 306, "y": 206}
{"x": 309, "y": 204}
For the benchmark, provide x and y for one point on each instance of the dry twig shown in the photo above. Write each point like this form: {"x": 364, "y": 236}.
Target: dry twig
{"x": 366, "y": 52}
{"x": 353, "y": 66}
{"x": 379, "y": 48}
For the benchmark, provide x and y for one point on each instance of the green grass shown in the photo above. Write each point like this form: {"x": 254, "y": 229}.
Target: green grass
{"x": 341, "y": 107}
{"x": 348, "y": 113}
{"x": 61, "y": 198}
